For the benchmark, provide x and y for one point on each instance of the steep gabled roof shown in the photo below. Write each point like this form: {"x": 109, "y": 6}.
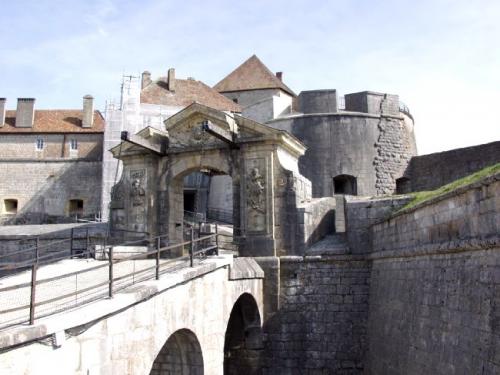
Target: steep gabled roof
{"x": 54, "y": 121}
{"x": 187, "y": 91}
{"x": 251, "y": 75}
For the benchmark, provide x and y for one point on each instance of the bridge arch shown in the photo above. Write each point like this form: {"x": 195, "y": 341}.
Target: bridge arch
{"x": 243, "y": 339}
{"x": 181, "y": 354}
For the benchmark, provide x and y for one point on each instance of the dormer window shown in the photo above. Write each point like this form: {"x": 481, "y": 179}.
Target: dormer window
{"x": 39, "y": 144}
{"x": 73, "y": 144}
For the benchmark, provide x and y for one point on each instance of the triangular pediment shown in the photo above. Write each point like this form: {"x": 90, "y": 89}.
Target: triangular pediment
{"x": 185, "y": 128}
{"x": 198, "y": 127}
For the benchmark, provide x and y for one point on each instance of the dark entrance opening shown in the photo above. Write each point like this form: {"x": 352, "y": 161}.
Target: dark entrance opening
{"x": 345, "y": 184}
{"x": 190, "y": 200}
{"x": 243, "y": 342}
{"x": 181, "y": 355}
{"x": 75, "y": 206}
{"x": 403, "y": 185}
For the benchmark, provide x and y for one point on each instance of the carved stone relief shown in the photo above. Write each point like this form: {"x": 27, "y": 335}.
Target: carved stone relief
{"x": 256, "y": 194}
{"x": 137, "y": 195}
{"x": 118, "y": 218}
{"x": 192, "y": 135}
{"x": 137, "y": 192}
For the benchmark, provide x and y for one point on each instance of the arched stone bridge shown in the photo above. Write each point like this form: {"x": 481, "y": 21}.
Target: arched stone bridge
{"x": 201, "y": 320}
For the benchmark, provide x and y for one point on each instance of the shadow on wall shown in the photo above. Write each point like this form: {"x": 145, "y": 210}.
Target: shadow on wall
{"x": 62, "y": 191}
{"x": 243, "y": 340}
{"x": 181, "y": 354}
{"x": 325, "y": 227}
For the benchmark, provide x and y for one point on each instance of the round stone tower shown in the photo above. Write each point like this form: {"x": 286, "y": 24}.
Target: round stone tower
{"x": 361, "y": 147}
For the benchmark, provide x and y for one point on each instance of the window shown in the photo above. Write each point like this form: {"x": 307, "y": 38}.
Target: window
{"x": 39, "y": 144}
{"x": 235, "y": 100}
{"x": 75, "y": 206}
{"x": 10, "y": 206}
{"x": 345, "y": 184}
{"x": 73, "y": 144}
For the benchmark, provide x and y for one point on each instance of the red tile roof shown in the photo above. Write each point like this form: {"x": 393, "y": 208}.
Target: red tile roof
{"x": 251, "y": 75}
{"x": 187, "y": 91}
{"x": 54, "y": 121}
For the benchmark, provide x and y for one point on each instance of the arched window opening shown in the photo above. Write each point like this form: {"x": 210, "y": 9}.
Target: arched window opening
{"x": 10, "y": 206}
{"x": 345, "y": 184}
{"x": 75, "y": 206}
{"x": 243, "y": 341}
{"x": 181, "y": 354}
{"x": 403, "y": 185}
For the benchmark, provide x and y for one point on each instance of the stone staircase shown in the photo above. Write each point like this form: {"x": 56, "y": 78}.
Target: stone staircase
{"x": 334, "y": 244}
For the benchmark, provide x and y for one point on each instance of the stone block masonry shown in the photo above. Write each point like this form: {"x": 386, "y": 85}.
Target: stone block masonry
{"x": 428, "y": 172}
{"x": 321, "y": 324}
{"x": 362, "y": 213}
{"x": 435, "y": 286}
{"x": 44, "y": 189}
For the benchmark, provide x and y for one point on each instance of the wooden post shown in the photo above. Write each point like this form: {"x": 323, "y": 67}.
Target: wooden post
{"x": 191, "y": 248}
{"x": 110, "y": 272}
{"x": 158, "y": 246}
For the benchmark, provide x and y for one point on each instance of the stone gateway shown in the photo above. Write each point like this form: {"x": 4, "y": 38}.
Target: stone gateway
{"x": 258, "y": 158}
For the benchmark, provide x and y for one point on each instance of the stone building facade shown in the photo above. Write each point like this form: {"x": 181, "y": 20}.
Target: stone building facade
{"x": 51, "y": 163}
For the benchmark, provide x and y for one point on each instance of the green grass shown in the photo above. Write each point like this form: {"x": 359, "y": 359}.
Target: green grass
{"x": 423, "y": 196}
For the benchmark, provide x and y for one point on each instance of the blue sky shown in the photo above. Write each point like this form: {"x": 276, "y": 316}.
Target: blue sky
{"x": 442, "y": 56}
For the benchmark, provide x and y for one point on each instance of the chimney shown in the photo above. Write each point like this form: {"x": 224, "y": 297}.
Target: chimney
{"x": 171, "y": 79}
{"x": 146, "y": 79}
{"x": 25, "y": 112}
{"x": 2, "y": 111}
{"x": 88, "y": 111}
{"x": 279, "y": 75}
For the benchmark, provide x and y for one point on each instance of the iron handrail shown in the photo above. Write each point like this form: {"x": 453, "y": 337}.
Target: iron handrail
{"x": 159, "y": 268}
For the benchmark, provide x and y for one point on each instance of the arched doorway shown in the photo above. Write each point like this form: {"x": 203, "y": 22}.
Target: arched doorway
{"x": 190, "y": 200}
{"x": 345, "y": 184}
{"x": 243, "y": 340}
{"x": 180, "y": 355}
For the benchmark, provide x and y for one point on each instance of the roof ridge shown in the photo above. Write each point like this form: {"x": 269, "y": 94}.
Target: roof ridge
{"x": 252, "y": 74}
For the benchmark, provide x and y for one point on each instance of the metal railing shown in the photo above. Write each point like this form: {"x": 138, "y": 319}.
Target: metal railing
{"x": 403, "y": 108}
{"x": 43, "y": 296}
{"x": 49, "y": 252}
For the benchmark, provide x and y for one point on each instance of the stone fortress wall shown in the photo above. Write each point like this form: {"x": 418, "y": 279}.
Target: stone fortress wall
{"x": 428, "y": 172}
{"x": 434, "y": 301}
{"x": 417, "y": 294}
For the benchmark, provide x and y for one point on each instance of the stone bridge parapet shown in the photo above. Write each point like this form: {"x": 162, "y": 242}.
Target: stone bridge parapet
{"x": 126, "y": 333}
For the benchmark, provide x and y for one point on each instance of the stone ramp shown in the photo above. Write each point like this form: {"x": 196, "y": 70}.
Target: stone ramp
{"x": 334, "y": 244}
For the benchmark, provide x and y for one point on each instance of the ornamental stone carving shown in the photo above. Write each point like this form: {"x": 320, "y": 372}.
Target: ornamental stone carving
{"x": 256, "y": 188}
{"x": 137, "y": 192}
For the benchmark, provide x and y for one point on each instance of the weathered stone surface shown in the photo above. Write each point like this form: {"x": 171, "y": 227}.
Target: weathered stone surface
{"x": 434, "y": 286}
{"x": 125, "y": 334}
{"x": 428, "y": 172}
{"x": 321, "y": 324}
